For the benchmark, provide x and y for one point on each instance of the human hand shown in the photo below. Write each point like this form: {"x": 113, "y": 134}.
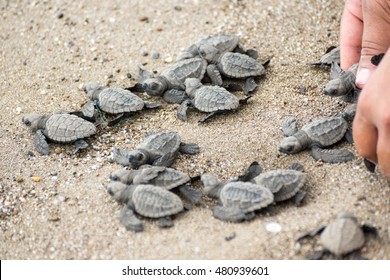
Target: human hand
{"x": 364, "y": 32}
{"x": 371, "y": 126}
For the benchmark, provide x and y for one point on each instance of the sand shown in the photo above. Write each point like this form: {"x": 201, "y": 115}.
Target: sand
{"x": 49, "y": 49}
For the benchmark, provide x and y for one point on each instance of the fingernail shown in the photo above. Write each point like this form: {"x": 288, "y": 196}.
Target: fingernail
{"x": 362, "y": 77}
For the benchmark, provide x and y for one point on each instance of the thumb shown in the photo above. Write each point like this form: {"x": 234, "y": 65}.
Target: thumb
{"x": 376, "y": 36}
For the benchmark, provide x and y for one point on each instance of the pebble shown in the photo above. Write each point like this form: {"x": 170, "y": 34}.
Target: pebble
{"x": 18, "y": 110}
{"x": 273, "y": 227}
{"x": 143, "y": 18}
{"x": 156, "y": 55}
{"x": 168, "y": 60}
{"x": 20, "y": 179}
{"x": 36, "y": 178}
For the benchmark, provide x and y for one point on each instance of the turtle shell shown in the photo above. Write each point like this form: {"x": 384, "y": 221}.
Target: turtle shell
{"x": 161, "y": 143}
{"x": 326, "y": 131}
{"x": 245, "y": 196}
{"x": 117, "y": 100}
{"x": 181, "y": 70}
{"x": 342, "y": 236}
{"x": 155, "y": 202}
{"x": 283, "y": 183}
{"x": 214, "y": 98}
{"x": 68, "y": 128}
{"x": 160, "y": 176}
{"x": 237, "y": 65}
{"x": 223, "y": 42}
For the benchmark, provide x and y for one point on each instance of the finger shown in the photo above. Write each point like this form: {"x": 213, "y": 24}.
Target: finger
{"x": 365, "y": 136}
{"x": 383, "y": 150}
{"x": 351, "y": 32}
{"x": 376, "y": 36}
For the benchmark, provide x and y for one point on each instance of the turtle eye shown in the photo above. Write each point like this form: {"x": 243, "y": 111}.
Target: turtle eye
{"x": 26, "y": 122}
{"x": 110, "y": 192}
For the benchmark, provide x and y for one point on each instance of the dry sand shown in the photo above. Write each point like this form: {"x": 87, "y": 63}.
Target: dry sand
{"x": 50, "y": 48}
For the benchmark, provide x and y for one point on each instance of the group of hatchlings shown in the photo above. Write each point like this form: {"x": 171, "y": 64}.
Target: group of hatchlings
{"x": 150, "y": 187}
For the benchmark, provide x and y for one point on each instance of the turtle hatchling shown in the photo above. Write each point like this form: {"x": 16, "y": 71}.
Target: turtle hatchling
{"x": 115, "y": 100}
{"x": 341, "y": 236}
{"x": 332, "y": 55}
{"x": 170, "y": 83}
{"x": 164, "y": 177}
{"x": 231, "y": 65}
{"x": 341, "y": 83}
{"x": 210, "y": 99}
{"x": 316, "y": 135}
{"x": 159, "y": 149}
{"x": 238, "y": 200}
{"x": 146, "y": 200}
{"x": 59, "y": 127}
{"x": 283, "y": 183}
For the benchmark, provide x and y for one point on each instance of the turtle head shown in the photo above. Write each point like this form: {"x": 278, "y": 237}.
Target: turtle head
{"x": 191, "y": 85}
{"x": 153, "y": 87}
{"x": 137, "y": 158}
{"x": 211, "y": 185}
{"x": 122, "y": 175}
{"x": 92, "y": 90}
{"x": 119, "y": 191}
{"x": 33, "y": 121}
{"x": 290, "y": 145}
{"x": 209, "y": 52}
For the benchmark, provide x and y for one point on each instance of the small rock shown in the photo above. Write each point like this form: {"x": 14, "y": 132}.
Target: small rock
{"x": 143, "y": 18}
{"x": 36, "y": 178}
{"x": 156, "y": 55}
{"x": 168, "y": 59}
{"x": 128, "y": 75}
{"x": 159, "y": 29}
{"x": 144, "y": 53}
{"x": 178, "y": 8}
{"x": 18, "y": 110}
{"x": 302, "y": 89}
{"x": 273, "y": 227}
{"x": 60, "y": 15}
{"x": 230, "y": 236}
{"x": 58, "y": 150}
{"x": 19, "y": 179}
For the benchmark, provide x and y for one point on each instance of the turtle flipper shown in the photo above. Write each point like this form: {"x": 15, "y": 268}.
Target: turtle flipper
{"x": 230, "y": 214}
{"x": 152, "y": 105}
{"x": 182, "y": 111}
{"x": 206, "y": 118}
{"x": 165, "y": 160}
{"x": 80, "y": 145}
{"x": 143, "y": 75}
{"x": 88, "y": 110}
{"x": 193, "y": 195}
{"x": 214, "y": 75}
{"x": 120, "y": 156}
{"x": 118, "y": 119}
{"x": 289, "y": 126}
{"x": 335, "y": 71}
{"x": 129, "y": 220}
{"x": 331, "y": 156}
{"x": 165, "y": 222}
{"x": 189, "y": 148}
{"x": 40, "y": 143}
{"x": 253, "y": 170}
{"x": 147, "y": 175}
{"x": 250, "y": 85}
{"x": 174, "y": 96}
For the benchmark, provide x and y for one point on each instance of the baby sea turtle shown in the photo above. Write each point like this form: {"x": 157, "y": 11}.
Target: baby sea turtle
{"x": 238, "y": 200}
{"x": 146, "y": 200}
{"x": 316, "y": 135}
{"x": 170, "y": 83}
{"x": 341, "y": 236}
{"x": 114, "y": 101}
{"x": 341, "y": 83}
{"x": 231, "y": 65}
{"x": 59, "y": 127}
{"x": 332, "y": 55}
{"x": 159, "y": 149}
{"x": 160, "y": 176}
{"x": 284, "y": 183}
{"x": 210, "y": 99}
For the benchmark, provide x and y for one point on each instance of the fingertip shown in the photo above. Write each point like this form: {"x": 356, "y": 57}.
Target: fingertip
{"x": 362, "y": 77}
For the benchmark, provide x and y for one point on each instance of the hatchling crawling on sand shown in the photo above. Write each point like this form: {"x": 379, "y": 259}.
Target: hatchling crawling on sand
{"x": 210, "y": 99}
{"x": 146, "y": 200}
{"x": 159, "y": 149}
{"x": 332, "y": 55}
{"x": 231, "y": 65}
{"x": 59, "y": 127}
{"x": 170, "y": 83}
{"x": 317, "y": 135}
{"x": 341, "y": 236}
{"x": 221, "y": 41}
{"x": 238, "y": 200}
{"x": 113, "y": 101}
{"x": 161, "y": 176}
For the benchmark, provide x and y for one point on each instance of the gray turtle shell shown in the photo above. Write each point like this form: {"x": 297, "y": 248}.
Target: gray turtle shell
{"x": 160, "y": 176}
{"x": 181, "y": 70}
{"x": 245, "y": 196}
{"x": 223, "y": 42}
{"x": 117, "y": 100}
{"x": 67, "y": 128}
{"x": 237, "y": 65}
{"x": 283, "y": 183}
{"x": 326, "y": 131}
{"x": 342, "y": 236}
{"x": 214, "y": 98}
{"x": 161, "y": 143}
{"x": 155, "y": 202}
